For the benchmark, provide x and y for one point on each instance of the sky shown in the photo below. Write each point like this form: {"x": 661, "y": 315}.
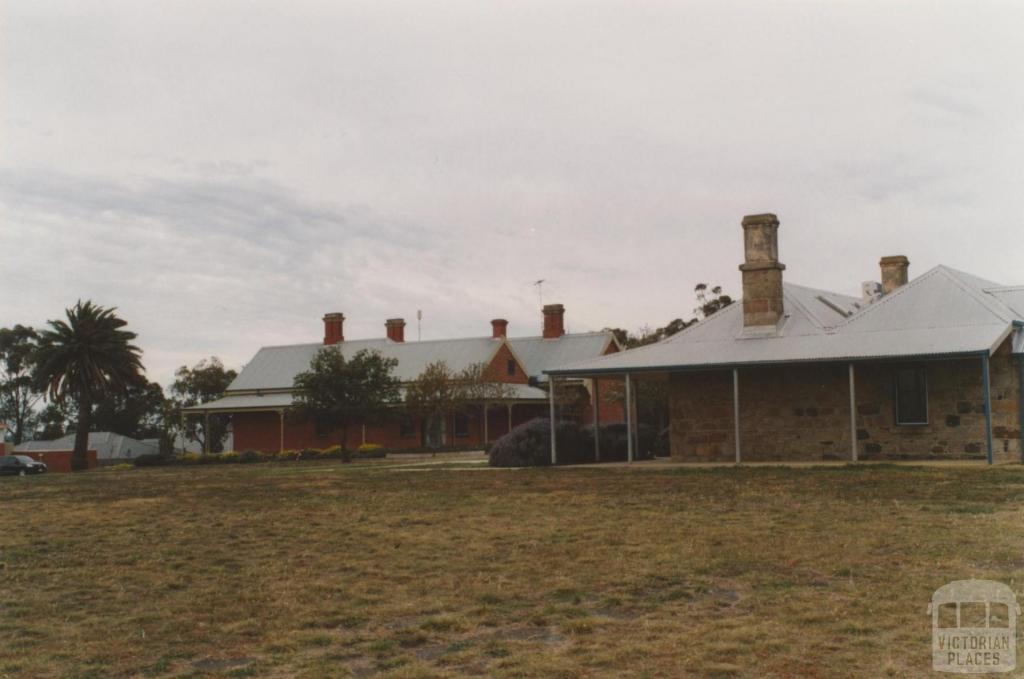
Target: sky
{"x": 224, "y": 173}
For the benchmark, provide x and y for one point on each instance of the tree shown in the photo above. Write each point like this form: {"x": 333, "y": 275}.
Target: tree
{"x": 708, "y": 305}
{"x": 88, "y": 357}
{"x": 18, "y": 392}
{"x": 137, "y": 413}
{"x": 440, "y": 391}
{"x": 206, "y": 381}
{"x": 336, "y": 394}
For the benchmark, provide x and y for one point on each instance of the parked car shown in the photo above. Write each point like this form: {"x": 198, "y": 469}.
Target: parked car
{"x": 20, "y": 465}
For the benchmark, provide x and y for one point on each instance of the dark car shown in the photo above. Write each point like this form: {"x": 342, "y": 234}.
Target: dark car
{"x": 21, "y": 465}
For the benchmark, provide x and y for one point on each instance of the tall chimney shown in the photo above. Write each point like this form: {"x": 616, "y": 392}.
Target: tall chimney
{"x": 499, "y": 328}
{"x": 554, "y": 321}
{"x": 762, "y": 271}
{"x": 895, "y": 272}
{"x": 334, "y": 328}
{"x": 396, "y": 329}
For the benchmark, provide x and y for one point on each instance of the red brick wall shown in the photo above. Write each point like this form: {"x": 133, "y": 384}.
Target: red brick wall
{"x": 497, "y": 371}
{"x": 59, "y": 461}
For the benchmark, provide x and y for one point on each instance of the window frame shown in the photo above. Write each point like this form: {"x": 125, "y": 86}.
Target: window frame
{"x": 407, "y": 427}
{"x": 455, "y": 425}
{"x": 923, "y": 372}
{"x": 510, "y": 367}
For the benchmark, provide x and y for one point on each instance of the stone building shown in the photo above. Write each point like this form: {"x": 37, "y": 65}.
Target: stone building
{"x": 259, "y": 398}
{"x": 924, "y": 368}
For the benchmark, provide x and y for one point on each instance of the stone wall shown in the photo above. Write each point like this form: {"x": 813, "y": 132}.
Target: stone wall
{"x": 801, "y": 412}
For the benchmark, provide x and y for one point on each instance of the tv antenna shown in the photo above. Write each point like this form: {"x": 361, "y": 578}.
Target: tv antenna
{"x": 540, "y": 290}
{"x": 419, "y": 317}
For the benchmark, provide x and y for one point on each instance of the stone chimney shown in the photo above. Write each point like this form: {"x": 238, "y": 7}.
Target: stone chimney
{"x": 762, "y": 272}
{"x": 554, "y": 321}
{"x": 334, "y": 328}
{"x": 499, "y": 328}
{"x": 396, "y": 329}
{"x": 895, "y": 272}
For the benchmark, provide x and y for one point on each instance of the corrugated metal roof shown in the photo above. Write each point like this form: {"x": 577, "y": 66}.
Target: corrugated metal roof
{"x": 276, "y": 367}
{"x": 942, "y": 312}
{"x": 245, "y": 402}
{"x": 538, "y": 354}
{"x": 108, "y": 446}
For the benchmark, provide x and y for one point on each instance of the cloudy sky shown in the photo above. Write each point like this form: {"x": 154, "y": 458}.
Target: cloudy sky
{"x": 226, "y": 172}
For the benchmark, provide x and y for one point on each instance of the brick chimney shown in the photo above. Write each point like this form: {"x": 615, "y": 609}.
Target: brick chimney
{"x": 499, "y": 328}
{"x": 895, "y": 272}
{"x": 396, "y": 329}
{"x": 554, "y": 321}
{"x": 334, "y": 328}
{"x": 762, "y": 271}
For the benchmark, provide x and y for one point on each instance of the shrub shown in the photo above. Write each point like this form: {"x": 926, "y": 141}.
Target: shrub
{"x": 191, "y": 458}
{"x": 529, "y": 445}
{"x": 120, "y": 467}
{"x": 230, "y": 457}
{"x": 662, "y": 448}
{"x": 153, "y": 460}
{"x": 369, "y": 447}
{"x": 249, "y": 456}
{"x": 615, "y": 442}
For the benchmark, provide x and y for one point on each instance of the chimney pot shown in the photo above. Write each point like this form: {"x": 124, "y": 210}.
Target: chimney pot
{"x": 334, "y": 328}
{"x": 895, "y": 272}
{"x": 499, "y": 328}
{"x": 762, "y": 271}
{"x": 554, "y": 321}
{"x": 396, "y": 329}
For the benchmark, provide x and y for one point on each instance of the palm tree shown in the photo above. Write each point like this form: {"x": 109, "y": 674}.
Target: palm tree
{"x": 87, "y": 358}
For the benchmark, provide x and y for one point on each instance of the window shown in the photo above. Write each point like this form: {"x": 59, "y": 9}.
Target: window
{"x": 461, "y": 425}
{"x": 511, "y": 368}
{"x": 911, "y": 396}
{"x": 407, "y": 429}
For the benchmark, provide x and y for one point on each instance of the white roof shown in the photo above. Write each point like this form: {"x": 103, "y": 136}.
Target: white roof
{"x": 538, "y": 354}
{"x": 943, "y": 312}
{"x": 273, "y": 369}
{"x": 107, "y": 444}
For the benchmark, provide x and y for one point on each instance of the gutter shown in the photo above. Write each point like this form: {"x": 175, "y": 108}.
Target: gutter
{"x": 749, "y": 364}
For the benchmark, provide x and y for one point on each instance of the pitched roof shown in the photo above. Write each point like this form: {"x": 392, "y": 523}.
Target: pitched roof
{"x": 942, "y": 312}
{"x": 275, "y": 368}
{"x": 107, "y": 444}
{"x": 537, "y": 354}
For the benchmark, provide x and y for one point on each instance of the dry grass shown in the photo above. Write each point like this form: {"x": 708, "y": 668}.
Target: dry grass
{"x": 324, "y": 569}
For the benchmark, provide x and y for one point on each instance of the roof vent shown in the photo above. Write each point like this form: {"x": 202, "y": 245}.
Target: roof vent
{"x": 870, "y": 291}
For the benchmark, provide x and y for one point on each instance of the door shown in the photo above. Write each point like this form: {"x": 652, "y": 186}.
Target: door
{"x": 433, "y": 432}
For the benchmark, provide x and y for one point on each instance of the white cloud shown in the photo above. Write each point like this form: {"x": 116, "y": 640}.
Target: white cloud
{"x": 226, "y": 174}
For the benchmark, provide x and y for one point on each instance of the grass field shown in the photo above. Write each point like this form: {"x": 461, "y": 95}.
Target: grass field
{"x": 324, "y": 569}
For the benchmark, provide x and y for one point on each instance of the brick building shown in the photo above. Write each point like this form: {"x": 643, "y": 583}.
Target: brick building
{"x": 929, "y": 367}
{"x": 258, "y": 399}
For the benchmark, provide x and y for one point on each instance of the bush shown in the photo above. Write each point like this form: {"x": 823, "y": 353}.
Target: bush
{"x": 191, "y": 458}
{"x": 154, "y": 460}
{"x": 529, "y": 445}
{"x": 369, "y": 448}
{"x": 662, "y": 447}
{"x": 615, "y": 442}
{"x": 230, "y": 457}
{"x": 248, "y": 456}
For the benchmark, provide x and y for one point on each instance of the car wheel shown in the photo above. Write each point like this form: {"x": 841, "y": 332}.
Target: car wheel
{"x": 21, "y": 473}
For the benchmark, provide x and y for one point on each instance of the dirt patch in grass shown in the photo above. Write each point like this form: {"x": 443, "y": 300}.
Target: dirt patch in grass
{"x": 351, "y": 570}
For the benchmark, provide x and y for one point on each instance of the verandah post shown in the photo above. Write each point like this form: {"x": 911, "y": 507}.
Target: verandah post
{"x": 853, "y": 417}
{"x": 629, "y": 419}
{"x": 597, "y": 427}
{"x": 988, "y": 405}
{"x": 736, "y": 410}
{"x": 551, "y": 401}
